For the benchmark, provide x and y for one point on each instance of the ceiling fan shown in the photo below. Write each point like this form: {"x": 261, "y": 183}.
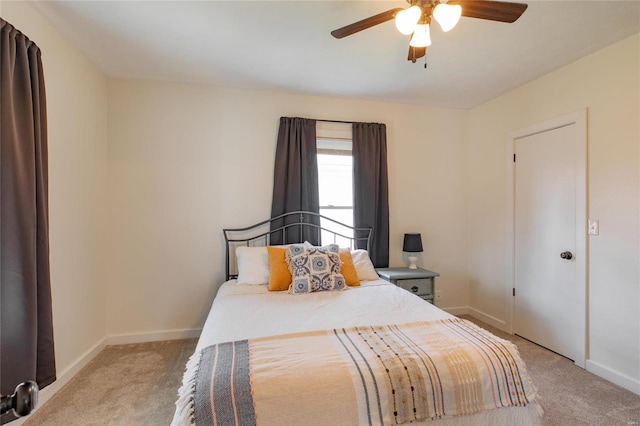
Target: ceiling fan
{"x": 416, "y": 19}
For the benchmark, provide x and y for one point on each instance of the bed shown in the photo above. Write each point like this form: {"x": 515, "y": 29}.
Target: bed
{"x": 369, "y": 354}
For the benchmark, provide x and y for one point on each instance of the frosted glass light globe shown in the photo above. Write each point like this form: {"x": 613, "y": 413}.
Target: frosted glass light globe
{"x": 407, "y": 19}
{"x": 421, "y": 36}
{"x": 447, "y": 15}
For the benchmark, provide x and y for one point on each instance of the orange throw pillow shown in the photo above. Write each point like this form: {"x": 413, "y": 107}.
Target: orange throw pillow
{"x": 347, "y": 268}
{"x": 279, "y": 275}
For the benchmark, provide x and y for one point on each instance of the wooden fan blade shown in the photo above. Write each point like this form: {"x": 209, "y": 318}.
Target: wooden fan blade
{"x": 492, "y": 10}
{"x": 366, "y": 23}
{"x": 416, "y": 53}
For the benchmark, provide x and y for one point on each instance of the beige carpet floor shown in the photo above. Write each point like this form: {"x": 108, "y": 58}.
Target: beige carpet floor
{"x": 570, "y": 395}
{"x": 124, "y": 385}
{"x": 130, "y": 385}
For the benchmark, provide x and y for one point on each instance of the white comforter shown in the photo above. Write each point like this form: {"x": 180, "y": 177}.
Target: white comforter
{"x": 242, "y": 311}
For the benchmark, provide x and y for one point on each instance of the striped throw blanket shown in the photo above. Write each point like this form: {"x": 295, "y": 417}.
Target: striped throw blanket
{"x": 377, "y": 375}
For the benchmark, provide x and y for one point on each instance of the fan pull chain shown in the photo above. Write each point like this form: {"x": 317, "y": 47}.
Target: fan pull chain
{"x": 425, "y": 61}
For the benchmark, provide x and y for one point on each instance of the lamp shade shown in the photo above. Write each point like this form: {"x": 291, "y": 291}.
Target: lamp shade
{"x": 412, "y": 243}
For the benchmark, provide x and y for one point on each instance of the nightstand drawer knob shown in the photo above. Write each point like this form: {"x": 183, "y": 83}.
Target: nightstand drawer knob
{"x": 414, "y": 289}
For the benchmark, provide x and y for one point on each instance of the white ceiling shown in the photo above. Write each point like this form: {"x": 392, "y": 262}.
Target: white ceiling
{"x": 287, "y": 46}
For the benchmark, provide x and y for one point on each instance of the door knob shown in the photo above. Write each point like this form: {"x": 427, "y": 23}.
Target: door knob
{"x": 23, "y": 401}
{"x": 566, "y": 255}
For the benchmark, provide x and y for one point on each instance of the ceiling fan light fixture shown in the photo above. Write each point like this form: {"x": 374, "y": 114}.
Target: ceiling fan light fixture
{"x": 447, "y": 15}
{"x": 406, "y": 20}
{"x": 421, "y": 36}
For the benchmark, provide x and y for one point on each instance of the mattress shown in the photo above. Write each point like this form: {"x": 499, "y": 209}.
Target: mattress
{"x": 243, "y": 312}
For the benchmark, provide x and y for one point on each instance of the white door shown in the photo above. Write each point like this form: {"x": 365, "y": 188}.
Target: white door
{"x": 547, "y": 306}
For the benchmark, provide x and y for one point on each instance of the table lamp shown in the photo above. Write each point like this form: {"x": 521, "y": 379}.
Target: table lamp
{"x": 412, "y": 244}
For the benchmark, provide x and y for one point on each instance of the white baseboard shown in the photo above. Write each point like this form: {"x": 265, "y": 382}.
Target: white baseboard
{"x": 124, "y": 339}
{"x": 457, "y": 311}
{"x": 491, "y": 320}
{"x": 467, "y": 310}
{"x": 64, "y": 377}
{"x": 613, "y": 376}
{"x": 486, "y": 318}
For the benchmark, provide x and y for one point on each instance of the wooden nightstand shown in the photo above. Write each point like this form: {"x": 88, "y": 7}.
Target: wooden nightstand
{"x": 420, "y": 282}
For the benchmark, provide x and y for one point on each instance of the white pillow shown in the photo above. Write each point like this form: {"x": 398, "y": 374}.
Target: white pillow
{"x": 364, "y": 266}
{"x": 253, "y": 265}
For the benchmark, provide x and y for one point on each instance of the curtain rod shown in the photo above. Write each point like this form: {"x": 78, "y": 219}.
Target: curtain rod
{"x": 336, "y": 121}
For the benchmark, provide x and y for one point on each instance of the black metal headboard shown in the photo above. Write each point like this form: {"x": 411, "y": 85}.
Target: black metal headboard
{"x": 261, "y": 234}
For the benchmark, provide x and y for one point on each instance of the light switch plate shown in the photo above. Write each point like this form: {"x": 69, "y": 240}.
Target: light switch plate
{"x": 594, "y": 227}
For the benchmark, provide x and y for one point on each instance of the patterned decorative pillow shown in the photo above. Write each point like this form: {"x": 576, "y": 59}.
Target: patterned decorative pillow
{"x": 314, "y": 268}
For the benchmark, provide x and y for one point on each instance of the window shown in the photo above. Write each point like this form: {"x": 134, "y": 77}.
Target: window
{"x": 297, "y": 149}
{"x": 335, "y": 187}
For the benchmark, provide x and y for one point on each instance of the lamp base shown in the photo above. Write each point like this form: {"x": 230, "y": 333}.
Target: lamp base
{"x": 412, "y": 262}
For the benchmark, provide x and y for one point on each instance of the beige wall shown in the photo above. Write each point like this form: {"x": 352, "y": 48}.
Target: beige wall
{"x": 77, "y": 122}
{"x": 607, "y": 84}
{"x": 186, "y": 161}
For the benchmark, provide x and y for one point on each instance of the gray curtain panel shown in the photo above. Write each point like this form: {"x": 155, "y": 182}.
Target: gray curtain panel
{"x": 371, "y": 187}
{"x": 295, "y": 179}
{"x": 27, "y": 351}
